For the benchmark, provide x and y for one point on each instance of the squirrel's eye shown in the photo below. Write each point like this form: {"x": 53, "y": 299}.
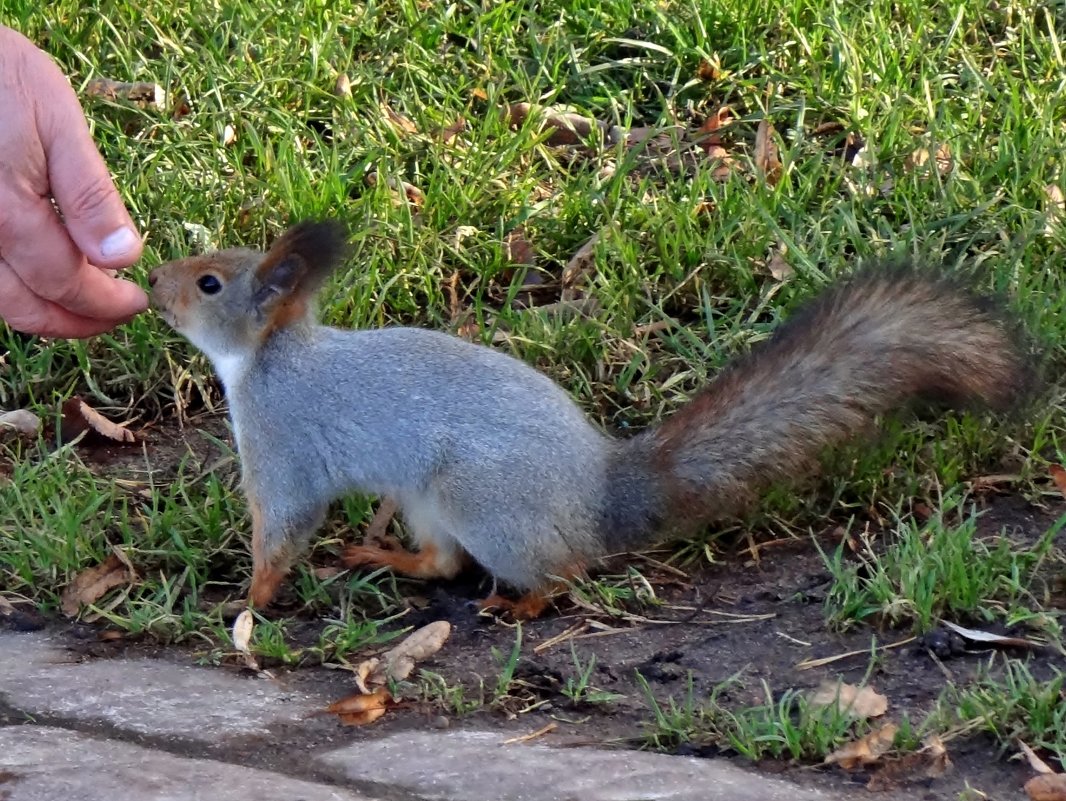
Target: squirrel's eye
{"x": 208, "y": 284}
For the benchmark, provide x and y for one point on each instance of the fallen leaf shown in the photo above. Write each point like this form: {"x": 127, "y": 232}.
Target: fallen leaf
{"x": 398, "y": 662}
{"x": 864, "y": 751}
{"x": 917, "y": 159}
{"x": 1054, "y": 209}
{"x": 326, "y": 572}
{"x": 519, "y": 250}
{"x": 402, "y": 123}
{"x": 450, "y": 132}
{"x": 399, "y": 188}
{"x": 921, "y": 156}
{"x": 1058, "y": 475}
{"x": 929, "y": 762}
{"x": 141, "y": 93}
{"x": 568, "y": 127}
{"x": 79, "y": 417}
{"x": 859, "y": 702}
{"x": 23, "y": 422}
{"x": 778, "y": 266}
{"x": 91, "y": 584}
{"x": 1035, "y": 762}
{"x": 581, "y": 265}
{"x": 976, "y": 635}
{"x": 707, "y": 134}
{"x": 709, "y": 70}
{"x": 1047, "y": 787}
{"x": 363, "y": 672}
{"x": 361, "y": 709}
{"x": 766, "y": 159}
{"x": 342, "y": 87}
{"x": 242, "y": 631}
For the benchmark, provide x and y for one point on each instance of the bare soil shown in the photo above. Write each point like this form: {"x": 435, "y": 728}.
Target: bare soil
{"x": 775, "y": 621}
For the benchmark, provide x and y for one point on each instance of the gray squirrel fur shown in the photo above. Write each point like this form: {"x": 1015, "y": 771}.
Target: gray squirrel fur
{"x": 485, "y": 456}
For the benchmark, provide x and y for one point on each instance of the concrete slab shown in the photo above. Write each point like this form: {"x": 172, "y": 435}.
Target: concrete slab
{"x": 153, "y": 697}
{"x": 40, "y": 763}
{"x": 465, "y": 765}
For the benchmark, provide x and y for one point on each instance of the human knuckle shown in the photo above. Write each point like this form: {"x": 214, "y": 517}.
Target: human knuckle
{"x": 86, "y": 199}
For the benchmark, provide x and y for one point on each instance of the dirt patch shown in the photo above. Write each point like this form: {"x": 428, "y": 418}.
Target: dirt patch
{"x": 753, "y": 620}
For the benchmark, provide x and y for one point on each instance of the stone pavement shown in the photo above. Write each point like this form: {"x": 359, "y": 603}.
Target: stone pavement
{"x": 156, "y": 730}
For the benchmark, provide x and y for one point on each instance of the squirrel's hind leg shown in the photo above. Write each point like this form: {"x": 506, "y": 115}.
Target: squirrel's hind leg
{"x": 438, "y": 555}
{"x": 432, "y": 560}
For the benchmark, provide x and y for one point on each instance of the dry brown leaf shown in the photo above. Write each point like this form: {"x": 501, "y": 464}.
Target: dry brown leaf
{"x": 865, "y": 751}
{"x": 581, "y": 265}
{"x": 928, "y": 762}
{"x": 403, "y": 124}
{"x": 859, "y": 702}
{"x": 519, "y": 250}
{"x": 242, "y": 631}
{"x": 766, "y": 158}
{"x": 1035, "y": 762}
{"x": 363, "y": 672}
{"x": 709, "y": 70}
{"x": 1058, "y": 475}
{"x": 78, "y": 417}
{"x": 411, "y": 193}
{"x": 361, "y": 709}
{"x": 450, "y": 132}
{"x": 343, "y": 86}
{"x": 920, "y": 158}
{"x": 568, "y": 127}
{"x": 977, "y": 635}
{"x": 326, "y": 572}
{"x": 707, "y": 135}
{"x": 91, "y": 584}
{"x": 1047, "y": 787}
{"x": 22, "y": 422}
{"x": 142, "y": 93}
{"x": 778, "y": 266}
{"x": 420, "y": 644}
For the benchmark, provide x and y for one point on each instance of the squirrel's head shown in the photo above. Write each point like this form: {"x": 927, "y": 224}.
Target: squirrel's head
{"x": 228, "y": 302}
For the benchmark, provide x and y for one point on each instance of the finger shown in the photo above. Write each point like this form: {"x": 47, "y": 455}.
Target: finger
{"x": 35, "y": 245}
{"x": 81, "y": 185}
{"x": 24, "y": 311}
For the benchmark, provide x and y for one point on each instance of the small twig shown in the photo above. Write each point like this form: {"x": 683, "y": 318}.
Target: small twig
{"x": 525, "y": 738}
{"x": 807, "y": 664}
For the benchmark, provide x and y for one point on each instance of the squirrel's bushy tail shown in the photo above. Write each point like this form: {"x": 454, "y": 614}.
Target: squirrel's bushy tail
{"x": 886, "y": 337}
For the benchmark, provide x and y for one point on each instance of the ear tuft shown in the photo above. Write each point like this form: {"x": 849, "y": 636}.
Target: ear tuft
{"x": 299, "y": 261}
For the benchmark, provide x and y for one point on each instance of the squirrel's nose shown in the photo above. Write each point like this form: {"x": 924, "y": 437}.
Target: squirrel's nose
{"x": 153, "y": 277}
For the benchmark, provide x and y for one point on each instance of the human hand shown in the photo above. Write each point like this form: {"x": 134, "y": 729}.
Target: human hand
{"x": 55, "y": 278}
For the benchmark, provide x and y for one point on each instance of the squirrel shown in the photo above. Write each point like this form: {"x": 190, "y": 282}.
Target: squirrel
{"x": 489, "y": 459}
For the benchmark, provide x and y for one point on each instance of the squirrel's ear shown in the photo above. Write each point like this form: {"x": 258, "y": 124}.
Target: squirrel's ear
{"x": 298, "y": 262}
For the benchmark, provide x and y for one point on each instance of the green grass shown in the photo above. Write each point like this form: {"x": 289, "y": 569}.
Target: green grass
{"x": 937, "y": 569}
{"x": 676, "y": 246}
{"x": 1008, "y": 703}
{"x": 785, "y": 726}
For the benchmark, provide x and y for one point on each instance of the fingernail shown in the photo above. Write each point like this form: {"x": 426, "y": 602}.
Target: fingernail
{"x": 118, "y": 243}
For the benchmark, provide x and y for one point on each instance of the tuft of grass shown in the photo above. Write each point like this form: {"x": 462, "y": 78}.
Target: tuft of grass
{"x": 1009, "y": 704}
{"x": 782, "y": 727}
{"x": 935, "y": 569}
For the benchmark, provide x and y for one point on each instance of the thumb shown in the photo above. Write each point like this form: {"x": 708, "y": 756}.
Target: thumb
{"x": 92, "y": 209}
